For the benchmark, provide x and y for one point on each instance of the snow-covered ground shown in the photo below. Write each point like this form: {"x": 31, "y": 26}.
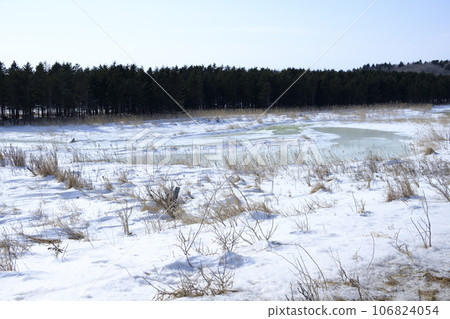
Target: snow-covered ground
{"x": 343, "y": 216}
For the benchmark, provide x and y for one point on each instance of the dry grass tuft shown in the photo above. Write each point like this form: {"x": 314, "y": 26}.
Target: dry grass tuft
{"x": 40, "y": 240}
{"x": 73, "y": 179}
{"x": 69, "y": 230}
{"x": 399, "y": 188}
{"x": 47, "y": 165}
{"x": 317, "y": 187}
{"x": 15, "y": 156}
{"x": 429, "y": 151}
{"x": 44, "y": 165}
{"x": 10, "y": 250}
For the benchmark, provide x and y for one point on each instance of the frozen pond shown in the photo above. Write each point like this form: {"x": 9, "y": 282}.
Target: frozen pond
{"x": 355, "y": 143}
{"x": 211, "y": 144}
{"x": 272, "y": 142}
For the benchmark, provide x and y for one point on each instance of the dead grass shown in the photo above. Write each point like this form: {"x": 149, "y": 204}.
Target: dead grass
{"x": 123, "y": 179}
{"x": 437, "y": 175}
{"x": 399, "y": 188}
{"x": 226, "y": 209}
{"x": 125, "y": 215}
{"x": 317, "y": 187}
{"x": 69, "y": 230}
{"x": 73, "y": 179}
{"x": 429, "y": 151}
{"x": 204, "y": 281}
{"x": 44, "y": 164}
{"x": 10, "y": 250}
{"x": 2, "y": 159}
{"x": 47, "y": 165}
{"x": 433, "y": 136}
{"x": 107, "y": 184}
{"x": 14, "y": 156}
{"x": 165, "y": 197}
{"x": 40, "y": 240}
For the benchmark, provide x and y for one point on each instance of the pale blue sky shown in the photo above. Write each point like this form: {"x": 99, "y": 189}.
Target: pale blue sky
{"x": 274, "y": 34}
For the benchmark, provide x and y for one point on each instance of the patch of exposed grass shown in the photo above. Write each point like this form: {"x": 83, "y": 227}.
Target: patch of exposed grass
{"x": 14, "y": 156}
{"x": 10, "y": 250}
{"x": 44, "y": 164}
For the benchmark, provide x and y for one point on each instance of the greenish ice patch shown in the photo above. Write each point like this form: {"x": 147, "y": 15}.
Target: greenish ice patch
{"x": 356, "y": 143}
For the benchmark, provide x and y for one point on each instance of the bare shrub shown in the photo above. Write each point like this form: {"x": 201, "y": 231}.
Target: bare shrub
{"x": 437, "y": 175}
{"x": 186, "y": 243}
{"x": 227, "y": 238}
{"x": 423, "y": 226}
{"x": 366, "y": 170}
{"x": 307, "y": 286}
{"x": 401, "y": 246}
{"x": 300, "y": 217}
{"x": 254, "y": 231}
{"x": 165, "y": 195}
{"x": 203, "y": 282}
{"x": 258, "y": 212}
{"x": 58, "y": 250}
{"x": 353, "y": 281}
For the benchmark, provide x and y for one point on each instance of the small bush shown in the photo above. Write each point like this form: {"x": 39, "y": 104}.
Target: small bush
{"x": 165, "y": 197}
{"x": 437, "y": 175}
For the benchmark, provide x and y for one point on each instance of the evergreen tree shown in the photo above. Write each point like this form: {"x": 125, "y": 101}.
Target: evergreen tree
{"x": 66, "y": 90}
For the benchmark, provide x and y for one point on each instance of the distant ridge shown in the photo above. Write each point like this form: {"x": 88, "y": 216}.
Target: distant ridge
{"x": 435, "y": 67}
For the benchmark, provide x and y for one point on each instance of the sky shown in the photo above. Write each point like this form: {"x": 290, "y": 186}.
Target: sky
{"x": 270, "y": 34}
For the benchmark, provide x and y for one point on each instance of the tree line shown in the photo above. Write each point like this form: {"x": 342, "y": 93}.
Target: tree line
{"x": 65, "y": 90}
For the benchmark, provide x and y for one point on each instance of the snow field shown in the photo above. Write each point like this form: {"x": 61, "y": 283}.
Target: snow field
{"x": 347, "y": 230}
